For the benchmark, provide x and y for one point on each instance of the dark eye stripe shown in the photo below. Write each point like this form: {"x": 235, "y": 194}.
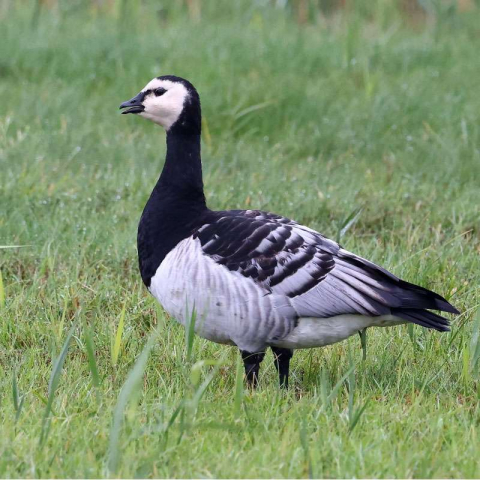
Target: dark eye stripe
{"x": 159, "y": 91}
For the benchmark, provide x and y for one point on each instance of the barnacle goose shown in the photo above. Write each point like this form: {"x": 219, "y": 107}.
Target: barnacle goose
{"x": 254, "y": 279}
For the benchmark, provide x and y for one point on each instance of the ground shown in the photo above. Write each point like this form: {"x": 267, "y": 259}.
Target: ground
{"x": 362, "y": 124}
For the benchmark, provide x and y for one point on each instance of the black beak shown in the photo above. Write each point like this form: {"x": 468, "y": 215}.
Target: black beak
{"x": 134, "y": 105}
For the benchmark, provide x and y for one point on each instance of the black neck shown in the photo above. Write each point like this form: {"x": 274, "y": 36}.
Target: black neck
{"x": 181, "y": 177}
{"x": 176, "y": 204}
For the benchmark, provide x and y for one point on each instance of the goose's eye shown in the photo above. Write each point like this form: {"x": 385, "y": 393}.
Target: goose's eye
{"x": 159, "y": 91}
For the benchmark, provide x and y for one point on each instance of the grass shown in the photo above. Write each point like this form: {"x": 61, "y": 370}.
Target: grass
{"x": 362, "y": 124}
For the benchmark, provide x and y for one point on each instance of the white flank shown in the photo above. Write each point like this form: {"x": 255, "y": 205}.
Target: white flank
{"x": 318, "y": 332}
{"x": 229, "y": 307}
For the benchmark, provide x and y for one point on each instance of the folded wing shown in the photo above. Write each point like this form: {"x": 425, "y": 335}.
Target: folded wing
{"x": 319, "y": 277}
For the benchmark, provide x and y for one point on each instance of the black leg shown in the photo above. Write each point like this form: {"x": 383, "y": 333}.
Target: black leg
{"x": 252, "y": 361}
{"x": 282, "y": 363}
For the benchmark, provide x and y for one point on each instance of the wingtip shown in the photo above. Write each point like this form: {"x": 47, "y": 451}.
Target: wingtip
{"x": 444, "y": 306}
{"x": 442, "y": 328}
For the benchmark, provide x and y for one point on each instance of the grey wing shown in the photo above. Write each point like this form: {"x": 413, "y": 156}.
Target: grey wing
{"x": 358, "y": 286}
{"x": 320, "y": 278}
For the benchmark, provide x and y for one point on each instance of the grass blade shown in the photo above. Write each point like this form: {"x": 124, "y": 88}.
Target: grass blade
{"x": 337, "y": 386}
{"x": 411, "y": 333}
{"x": 475, "y": 344}
{"x": 53, "y": 384}
{"x": 130, "y": 387}
{"x": 353, "y": 416}
{"x": 348, "y": 223}
{"x": 466, "y": 363}
{"x": 203, "y": 387}
{"x": 2, "y": 292}
{"x": 239, "y": 390}
{"x": 207, "y": 137}
{"x": 351, "y": 385}
{"x": 190, "y": 333}
{"x": 305, "y": 447}
{"x": 117, "y": 343}
{"x": 17, "y": 398}
{"x": 356, "y": 417}
{"x": 92, "y": 363}
{"x": 252, "y": 108}
{"x": 15, "y": 392}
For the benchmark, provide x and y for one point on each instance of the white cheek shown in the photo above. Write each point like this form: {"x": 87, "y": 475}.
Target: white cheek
{"x": 152, "y": 117}
{"x": 166, "y": 109}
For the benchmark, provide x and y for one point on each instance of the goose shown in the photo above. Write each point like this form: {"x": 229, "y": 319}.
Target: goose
{"x": 250, "y": 278}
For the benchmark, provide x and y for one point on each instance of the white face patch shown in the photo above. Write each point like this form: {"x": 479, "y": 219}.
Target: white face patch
{"x": 164, "y": 109}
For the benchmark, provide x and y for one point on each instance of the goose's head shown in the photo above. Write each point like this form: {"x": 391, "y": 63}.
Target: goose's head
{"x": 169, "y": 101}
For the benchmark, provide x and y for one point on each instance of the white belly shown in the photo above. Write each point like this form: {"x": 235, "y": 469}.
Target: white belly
{"x": 318, "y": 332}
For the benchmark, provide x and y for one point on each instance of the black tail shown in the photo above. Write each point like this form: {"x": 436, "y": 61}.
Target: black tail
{"x": 424, "y": 298}
{"x": 404, "y": 299}
{"x": 423, "y": 317}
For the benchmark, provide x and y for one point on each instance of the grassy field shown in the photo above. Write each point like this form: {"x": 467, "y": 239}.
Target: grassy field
{"x": 362, "y": 111}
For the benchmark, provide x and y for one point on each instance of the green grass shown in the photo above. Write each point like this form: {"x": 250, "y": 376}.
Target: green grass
{"x": 358, "y": 110}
